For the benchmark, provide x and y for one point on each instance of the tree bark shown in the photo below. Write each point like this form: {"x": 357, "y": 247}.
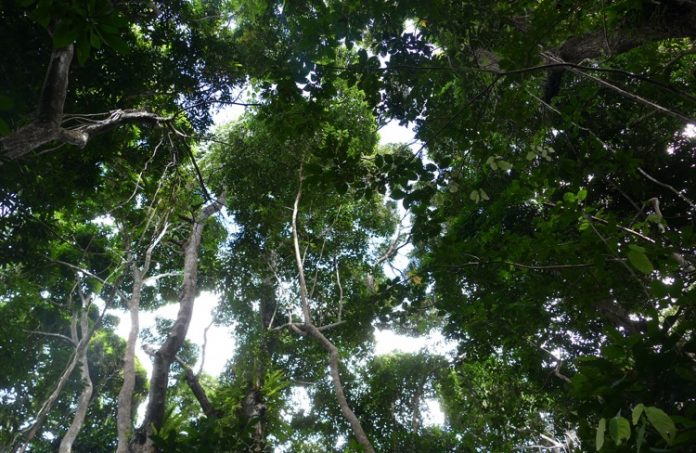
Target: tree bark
{"x": 124, "y": 418}
{"x": 198, "y": 390}
{"x": 668, "y": 19}
{"x": 53, "y": 397}
{"x": 124, "y": 421}
{"x": 163, "y": 358}
{"x": 86, "y": 394}
{"x": 48, "y": 127}
{"x": 315, "y": 332}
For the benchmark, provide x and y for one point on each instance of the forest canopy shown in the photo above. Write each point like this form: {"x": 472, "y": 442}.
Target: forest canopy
{"x": 541, "y": 219}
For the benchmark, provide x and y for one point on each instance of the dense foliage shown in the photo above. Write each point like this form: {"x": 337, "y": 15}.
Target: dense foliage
{"x": 545, "y": 205}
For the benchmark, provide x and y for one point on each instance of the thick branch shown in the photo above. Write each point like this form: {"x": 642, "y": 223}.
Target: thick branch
{"x": 86, "y": 393}
{"x": 314, "y": 332}
{"x": 62, "y": 381}
{"x": 163, "y": 358}
{"x": 198, "y": 390}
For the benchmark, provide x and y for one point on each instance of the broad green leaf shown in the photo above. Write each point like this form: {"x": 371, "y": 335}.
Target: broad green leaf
{"x": 640, "y": 437}
{"x": 640, "y": 261}
{"x": 504, "y": 165}
{"x": 569, "y": 197}
{"x": 83, "y": 48}
{"x": 662, "y": 423}
{"x": 599, "y": 438}
{"x": 474, "y": 196}
{"x": 619, "y": 429}
{"x": 4, "y": 128}
{"x": 6, "y": 102}
{"x": 531, "y": 155}
{"x": 637, "y": 411}
{"x": 582, "y": 194}
{"x": 94, "y": 39}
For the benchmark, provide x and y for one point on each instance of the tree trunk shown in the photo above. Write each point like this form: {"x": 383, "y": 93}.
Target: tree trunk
{"x": 315, "y": 333}
{"x": 348, "y": 413}
{"x": 86, "y": 394}
{"x": 163, "y": 358}
{"x": 124, "y": 421}
{"x": 53, "y": 397}
{"x": 198, "y": 390}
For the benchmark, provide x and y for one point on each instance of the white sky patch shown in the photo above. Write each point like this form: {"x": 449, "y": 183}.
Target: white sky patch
{"x": 392, "y": 132}
{"x": 221, "y": 344}
{"x": 227, "y": 113}
{"x": 433, "y": 414}
{"x": 387, "y": 341}
{"x": 690, "y": 131}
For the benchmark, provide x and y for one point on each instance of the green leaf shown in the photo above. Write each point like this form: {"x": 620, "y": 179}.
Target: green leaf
{"x": 83, "y": 48}
{"x": 484, "y": 195}
{"x": 662, "y": 423}
{"x": 65, "y": 34}
{"x": 582, "y": 194}
{"x": 637, "y": 411}
{"x": 640, "y": 437}
{"x": 619, "y": 429}
{"x": 504, "y": 165}
{"x": 599, "y": 438}
{"x": 474, "y": 196}
{"x": 640, "y": 261}
{"x": 114, "y": 41}
{"x": 6, "y": 102}
{"x": 94, "y": 40}
{"x": 531, "y": 155}
{"x": 491, "y": 161}
{"x": 4, "y": 128}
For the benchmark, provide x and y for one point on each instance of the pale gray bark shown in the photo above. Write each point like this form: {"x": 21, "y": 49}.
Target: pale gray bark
{"x": 124, "y": 421}
{"x": 309, "y": 328}
{"x": 125, "y": 396}
{"x": 86, "y": 393}
{"x": 48, "y": 404}
{"x": 163, "y": 358}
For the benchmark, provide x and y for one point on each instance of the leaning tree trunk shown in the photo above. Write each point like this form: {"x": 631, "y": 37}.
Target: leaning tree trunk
{"x": 313, "y": 331}
{"x": 86, "y": 395}
{"x": 163, "y": 358}
{"x": 48, "y": 404}
{"x": 124, "y": 416}
{"x": 124, "y": 422}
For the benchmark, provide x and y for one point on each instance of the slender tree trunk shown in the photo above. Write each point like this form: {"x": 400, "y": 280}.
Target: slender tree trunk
{"x": 64, "y": 378}
{"x": 163, "y": 358}
{"x": 314, "y": 332}
{"x": 86, "y": 394}
{"x": 124, "y": 416}
{"x": 334, "y": 362}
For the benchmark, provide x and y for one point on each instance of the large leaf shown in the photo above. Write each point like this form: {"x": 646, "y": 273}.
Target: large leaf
{"x": 599, "y": 438}
{"x": 639, "y": 260}
{"x": 619, "y": 429}
{"x": 662, "y": 423}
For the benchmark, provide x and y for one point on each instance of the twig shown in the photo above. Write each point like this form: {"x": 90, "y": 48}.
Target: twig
{"x": 51, "y": 334}
{"x": 667, "y": 186}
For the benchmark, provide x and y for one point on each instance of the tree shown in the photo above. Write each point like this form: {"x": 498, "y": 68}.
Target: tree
{"x": 549, "y": 202}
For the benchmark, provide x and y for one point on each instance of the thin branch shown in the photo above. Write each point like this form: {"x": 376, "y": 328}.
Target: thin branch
{"x": 90, "y": 274}
{"x": 685, "y": 119}
{"x": 54, "y": 335}
{"x": 204, "y": 346}
{"x": 667, "y": 186}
